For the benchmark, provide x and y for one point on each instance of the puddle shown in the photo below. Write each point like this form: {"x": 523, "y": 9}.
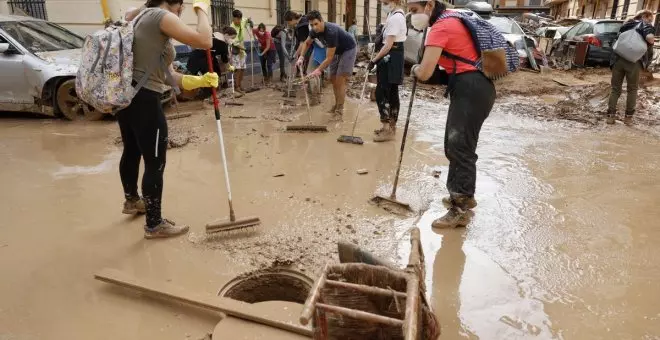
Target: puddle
{"x": 109, "y": 164}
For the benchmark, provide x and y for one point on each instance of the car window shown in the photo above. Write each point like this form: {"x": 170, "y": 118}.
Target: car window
{"x": 607, "y": 27}
{"x": 586, "y": 28}
{"x": 505, "y": 26}
{"x": 41, "y": 36}
{"x": 571, "y": 33}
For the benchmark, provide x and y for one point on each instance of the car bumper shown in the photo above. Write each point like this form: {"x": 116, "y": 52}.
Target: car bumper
{"x": 599, "y": 54}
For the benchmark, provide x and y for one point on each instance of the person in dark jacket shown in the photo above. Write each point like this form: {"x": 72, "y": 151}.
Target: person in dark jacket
{"x": 279, "y": 37}
{"x": 622, "y": 68}
{"x": 197, "y": 63}
{"x": 471, "y": 98}
{"x": 301, "y": 28}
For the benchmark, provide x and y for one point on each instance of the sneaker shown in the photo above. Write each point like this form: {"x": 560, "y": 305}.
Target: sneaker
{"x": 628, "y": 120}
{"x": 610, "y": 119}
{"x": 384, "y": 136}
{"x": 165, "y": 229}
{"x": 455, "y": 217}
{"x": 133, "y": 207}
{"x": 470, "y": 203}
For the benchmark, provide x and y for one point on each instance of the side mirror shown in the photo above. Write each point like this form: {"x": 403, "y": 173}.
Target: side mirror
{"x": 6, "y": 48}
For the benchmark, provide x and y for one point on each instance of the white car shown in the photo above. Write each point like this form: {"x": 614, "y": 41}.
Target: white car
{"x": 38, "y": 62}
{"x": 513, "y": 34}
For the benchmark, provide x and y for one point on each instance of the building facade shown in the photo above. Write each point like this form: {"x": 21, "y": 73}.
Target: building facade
{"x": 85, "y": 16}
{"x": 602, "y": 9}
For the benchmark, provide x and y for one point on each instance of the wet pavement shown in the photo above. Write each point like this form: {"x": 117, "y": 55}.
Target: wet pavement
{"x": 563, "y": 244}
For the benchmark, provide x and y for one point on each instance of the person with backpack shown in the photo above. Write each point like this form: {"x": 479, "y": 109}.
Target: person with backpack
{"x": 639, "y": 29}
{"x": 279, "y": 37}
{"x": 267, "y": 52}
{"x": 142, "y": 124}
{"x": 450, "y": 44}
{"x": 389, "y": 72}
{"x": 301, "y": 29}
{"x": 239, "y": 55}
{"x": 341, "y": 51}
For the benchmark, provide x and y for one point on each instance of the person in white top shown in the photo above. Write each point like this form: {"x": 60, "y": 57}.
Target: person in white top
{"x": 389, "y": 62}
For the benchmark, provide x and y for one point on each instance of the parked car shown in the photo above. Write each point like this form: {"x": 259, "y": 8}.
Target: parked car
{"x": 39, "y": 61}
{"x": 414, "y": 40}
{"x": 513, "y": 34}
{"x": 599, "y": 33}
{"x": 554, "y": 32}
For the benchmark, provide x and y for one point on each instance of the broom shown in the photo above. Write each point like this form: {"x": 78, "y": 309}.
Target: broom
{"x": 253, "y": 88}
{"x": 233, "y": 223}
{"x": 353, "y": 139}
{"x": 309, "y": 126}
{"x": 392, "y": 197}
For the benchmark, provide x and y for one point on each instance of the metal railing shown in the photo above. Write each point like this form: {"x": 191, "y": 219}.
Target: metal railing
{"x": 221, "y": 12}
{"x": 33, "y": 8}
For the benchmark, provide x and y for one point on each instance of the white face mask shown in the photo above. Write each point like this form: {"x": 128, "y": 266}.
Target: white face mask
{"x": 386, "y": 8}
{"x": 420, "y": 21}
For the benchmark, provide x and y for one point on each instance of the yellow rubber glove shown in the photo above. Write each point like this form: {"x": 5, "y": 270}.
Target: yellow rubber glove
{"x": 202, "y": 5}
{"x": 231, "y": 68}
{"x": 189, "y": 82}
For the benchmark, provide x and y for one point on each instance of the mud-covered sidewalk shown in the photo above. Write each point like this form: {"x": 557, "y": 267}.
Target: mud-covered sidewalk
{"x": 562, "y": 244}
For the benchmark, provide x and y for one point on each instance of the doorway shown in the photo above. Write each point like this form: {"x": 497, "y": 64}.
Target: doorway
{"x": 351, "y": 13}
{"x": 282, "y": 7}
{"x": 332, "y": 10}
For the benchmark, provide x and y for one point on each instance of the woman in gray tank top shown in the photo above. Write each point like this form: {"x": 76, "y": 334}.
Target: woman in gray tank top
{"x": 142, "y": 124}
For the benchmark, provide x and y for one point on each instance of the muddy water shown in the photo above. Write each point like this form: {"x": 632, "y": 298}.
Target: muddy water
{"x": 562, "y": 245}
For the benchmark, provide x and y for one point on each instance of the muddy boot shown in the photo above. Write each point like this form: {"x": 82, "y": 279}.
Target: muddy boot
{"x": 455, "y": 217}
{"x": 134, "y": 206}
{"x": 338, "y": 113}
{"x": 628, "y": 119}
{"x": 165, "y": 229}
{"x": 470, "y": 203}
{"x": 333, "y": 109}
{"x": 387, "y": 134}
{"x": 611, "y": 117}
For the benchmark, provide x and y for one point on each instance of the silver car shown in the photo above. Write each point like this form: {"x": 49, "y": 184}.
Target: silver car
{"x": 38, "y": 62}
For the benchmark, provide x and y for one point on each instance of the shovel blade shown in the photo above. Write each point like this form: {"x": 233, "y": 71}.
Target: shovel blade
{"x": 391, "y": 200}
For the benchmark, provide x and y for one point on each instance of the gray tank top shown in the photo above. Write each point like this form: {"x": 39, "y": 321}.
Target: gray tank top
{"x": 149, "y": 43}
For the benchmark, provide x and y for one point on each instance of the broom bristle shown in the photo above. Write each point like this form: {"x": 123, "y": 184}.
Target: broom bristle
{"x": 313, "y": 128}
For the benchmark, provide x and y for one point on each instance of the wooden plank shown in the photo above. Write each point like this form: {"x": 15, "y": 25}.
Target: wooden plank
{"x": 360, "y": 315}
{"x": 365, "y": 289}
{"x": 314, "y": 295}
{"x": 170, "y": 292}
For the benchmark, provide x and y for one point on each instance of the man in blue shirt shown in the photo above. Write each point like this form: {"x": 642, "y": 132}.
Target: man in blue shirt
{"x": 341, "y": 51}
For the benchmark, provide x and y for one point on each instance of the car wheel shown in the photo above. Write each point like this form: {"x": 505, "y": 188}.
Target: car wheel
{"x": 71, "y": 107}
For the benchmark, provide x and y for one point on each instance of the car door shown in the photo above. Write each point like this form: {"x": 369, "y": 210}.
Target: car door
{"x": 13, "y": 83}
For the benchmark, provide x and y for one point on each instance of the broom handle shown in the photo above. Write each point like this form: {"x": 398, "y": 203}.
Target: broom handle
{"x": 302, "y": 77}
{"x": 405, "y": 129}
{"x": 364, "y": 85}
{"x": 216, "y": 108}
{"x": 252, "y": 56}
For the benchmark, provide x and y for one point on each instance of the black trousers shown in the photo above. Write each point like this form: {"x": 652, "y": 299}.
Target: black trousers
{"x": 144, "y": 133}
{"x": 387, "y": 99}
{"x": 471, "y": 100}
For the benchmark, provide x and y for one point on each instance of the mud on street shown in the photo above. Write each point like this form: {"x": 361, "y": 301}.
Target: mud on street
{"x": 563, "y": 244}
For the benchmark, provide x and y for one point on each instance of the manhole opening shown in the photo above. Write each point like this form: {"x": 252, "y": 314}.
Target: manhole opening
{"x": 268, "y": 285}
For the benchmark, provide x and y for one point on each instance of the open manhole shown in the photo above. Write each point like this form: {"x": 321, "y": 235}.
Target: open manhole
{"x": 273, "y": 284}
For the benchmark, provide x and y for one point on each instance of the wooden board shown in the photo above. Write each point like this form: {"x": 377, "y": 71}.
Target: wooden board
{"x": 230, "y": 307}
{"x": 233, "y": 328}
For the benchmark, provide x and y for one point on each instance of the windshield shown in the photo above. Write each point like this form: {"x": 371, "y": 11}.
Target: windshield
{"x": 607, "y": 27}
{"x": 505, "y": 26}
{"x": 41, "y": 36}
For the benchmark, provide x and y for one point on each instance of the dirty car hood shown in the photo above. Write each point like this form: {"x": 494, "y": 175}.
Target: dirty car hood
{"x": 62, "y": 62}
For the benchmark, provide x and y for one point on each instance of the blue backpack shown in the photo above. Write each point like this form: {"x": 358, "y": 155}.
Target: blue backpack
{"x": 496, "y": 57}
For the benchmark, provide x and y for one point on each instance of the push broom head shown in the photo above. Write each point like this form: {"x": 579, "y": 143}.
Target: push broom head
{"x": 350, "y": 139}
{"x": 229, "y": 225}
{"x": 310, "y": 128}
{"x": 379, "y": 199}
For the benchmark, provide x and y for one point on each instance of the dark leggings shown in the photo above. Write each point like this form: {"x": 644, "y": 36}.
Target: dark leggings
{"x": 387, "y": 99}
{"x": 267, "y": 61}
{"x": 144, "y": 133}
{"x": 471, "y": 98}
